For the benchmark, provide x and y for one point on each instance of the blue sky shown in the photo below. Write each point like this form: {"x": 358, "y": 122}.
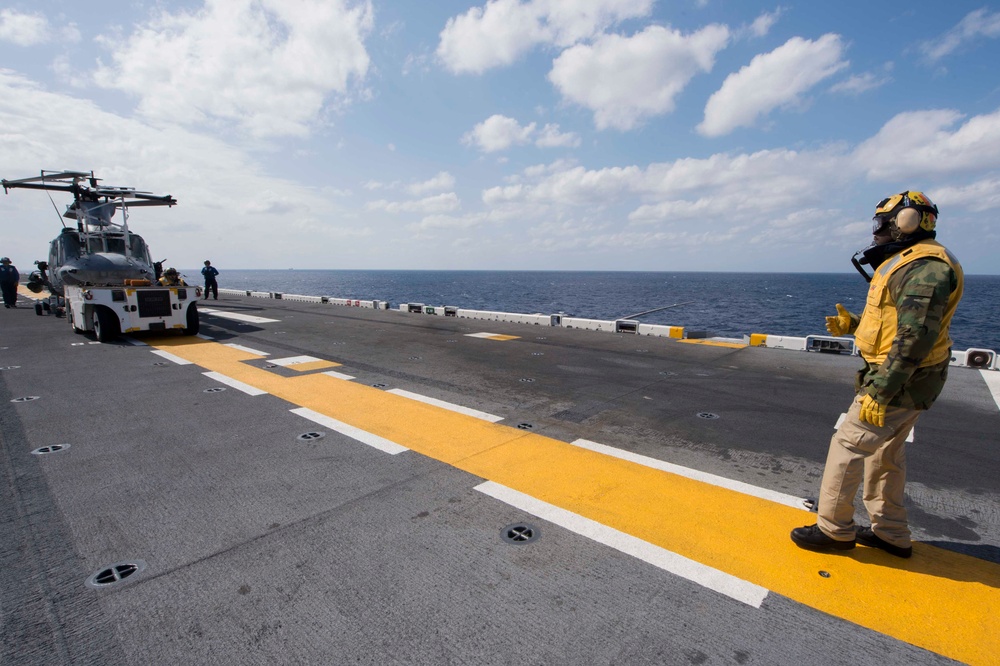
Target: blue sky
{"x": 508, "y": 134}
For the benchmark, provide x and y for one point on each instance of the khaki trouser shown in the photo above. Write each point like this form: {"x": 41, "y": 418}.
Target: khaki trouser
{"x": 858, "y": 449}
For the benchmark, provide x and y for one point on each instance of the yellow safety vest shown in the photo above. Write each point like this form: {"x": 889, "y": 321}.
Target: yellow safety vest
{"x": 877, "y": 329}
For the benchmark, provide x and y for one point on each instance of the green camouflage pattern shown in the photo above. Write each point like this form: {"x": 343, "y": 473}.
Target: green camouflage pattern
{"x": 920, "y": 291}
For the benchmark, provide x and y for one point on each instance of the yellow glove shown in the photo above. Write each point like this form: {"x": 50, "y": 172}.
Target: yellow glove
{"x": 841, "y": 324}
{"x": 872, "y": 411}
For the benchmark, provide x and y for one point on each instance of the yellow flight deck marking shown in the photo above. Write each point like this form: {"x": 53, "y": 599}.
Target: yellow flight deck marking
{"x": 938, "y": 600}
{"x": 713, "y": 343}
{"x": 492, "y": 336}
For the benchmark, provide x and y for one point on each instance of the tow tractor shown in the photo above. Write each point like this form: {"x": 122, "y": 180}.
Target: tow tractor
{"x": 100, "y": 274}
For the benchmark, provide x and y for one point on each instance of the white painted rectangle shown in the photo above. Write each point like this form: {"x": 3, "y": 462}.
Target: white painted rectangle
{"x": 170, "y": 357}
{"x": 249, "y": 350}
{"x": 358, "y": 434}
{"x": 234, "y": 383}
{"x": 236, "y": 316}
{"x": 294, "y": 360}
{"x": 468, "y": 411}
{"x": 704, "y": 477}
{"x": 696, "y": 572}
{"x": 337, "y": 375}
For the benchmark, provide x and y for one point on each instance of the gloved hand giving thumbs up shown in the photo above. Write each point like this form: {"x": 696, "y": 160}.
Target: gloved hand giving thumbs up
{"x": 840, "y": 324}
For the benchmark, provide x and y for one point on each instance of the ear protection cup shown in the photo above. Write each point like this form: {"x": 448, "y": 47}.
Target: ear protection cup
{"x": 908, "y": 220}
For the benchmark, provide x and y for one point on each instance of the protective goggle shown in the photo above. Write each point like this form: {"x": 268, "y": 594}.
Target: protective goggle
{"x": 880, "y": 222}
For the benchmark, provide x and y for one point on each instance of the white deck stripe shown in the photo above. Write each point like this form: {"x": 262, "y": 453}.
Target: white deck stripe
{"x": 236, "y": 316}
{"x": 992, "y": 379}
{"x": 204, "y": 337}
{"x": 705, "y": 477}
{"x": 468, "y": 411}
{"x": 337, "y": 375}
{"x": 354, "y": 433}
{"x": 132, "y": 341}
{"x": 294, "y": 360}
{"x": 713, "y": 579}
{"x": 234, "y": 383}
{"x": 170, "y": 357}
{"x": 249, "y": 350}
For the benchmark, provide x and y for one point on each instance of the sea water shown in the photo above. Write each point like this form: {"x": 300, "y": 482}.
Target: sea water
{"x": 719, "y": 304}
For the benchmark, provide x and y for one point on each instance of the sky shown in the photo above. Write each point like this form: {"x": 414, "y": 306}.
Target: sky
{"x": 692, "y": 135}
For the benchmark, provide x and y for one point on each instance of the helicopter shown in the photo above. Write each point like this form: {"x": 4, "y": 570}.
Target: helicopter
{"x": 101, "y": 272}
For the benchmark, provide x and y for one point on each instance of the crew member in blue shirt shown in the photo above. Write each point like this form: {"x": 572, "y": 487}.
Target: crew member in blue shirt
{"x": 210, "y": 271}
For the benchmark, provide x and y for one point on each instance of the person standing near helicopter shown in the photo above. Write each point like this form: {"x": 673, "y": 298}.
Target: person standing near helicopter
{"x": 210, "y": 272}
{"x": 8, "y": 282}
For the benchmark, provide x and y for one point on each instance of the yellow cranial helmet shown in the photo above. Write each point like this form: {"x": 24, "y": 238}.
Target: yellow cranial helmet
{"x": 909, "y": 210}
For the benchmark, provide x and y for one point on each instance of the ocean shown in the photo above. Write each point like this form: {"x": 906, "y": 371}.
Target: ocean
{"x": 719, "y": 304}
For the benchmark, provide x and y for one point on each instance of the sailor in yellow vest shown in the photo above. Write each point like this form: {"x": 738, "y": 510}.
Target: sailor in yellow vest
{"x": 902, "y": 336}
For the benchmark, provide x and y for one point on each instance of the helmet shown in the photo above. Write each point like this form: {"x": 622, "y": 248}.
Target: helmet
{"x": 5, "y": 260}
{"x": 907, "y": 211}
{"x": 170, "y": 271}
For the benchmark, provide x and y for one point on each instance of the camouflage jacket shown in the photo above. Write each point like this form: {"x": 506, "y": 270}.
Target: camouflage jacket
{"x": 899, "y": 381}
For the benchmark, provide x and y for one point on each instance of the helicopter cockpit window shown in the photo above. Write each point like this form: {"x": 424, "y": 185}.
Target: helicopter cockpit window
{"x": 139, "y": 250}
{"x": 115, "y": 245}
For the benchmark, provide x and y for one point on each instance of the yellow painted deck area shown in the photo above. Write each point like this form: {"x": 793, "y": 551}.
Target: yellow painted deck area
{"x": 939, "y": 600}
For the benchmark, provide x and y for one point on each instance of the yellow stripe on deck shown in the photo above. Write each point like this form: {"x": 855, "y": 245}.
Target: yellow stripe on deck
{"x": 713, "y": 343}
{"x": 938, "y": 600}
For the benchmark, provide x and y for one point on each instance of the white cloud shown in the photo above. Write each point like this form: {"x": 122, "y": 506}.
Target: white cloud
{"x": 439, "y": 203}
{"x": 268, "y": 66}
{"x": 979, "y": 196}
{"x": 498, "y": 132}
{"x": 550, "y": 137}
{"x": 771, "y": 80}
{"x": 624, "y": 80}
{"x": 976, "y": 24}
{"x": 763, "y": 23}
{"x": 23, "y": 29}
{"x": 442, "y": 181}
{"x": 217, "y": 185}
{"x": 920, "y": 144}
{"x": 501, "y": 31}
{"x": 859, "y": 83}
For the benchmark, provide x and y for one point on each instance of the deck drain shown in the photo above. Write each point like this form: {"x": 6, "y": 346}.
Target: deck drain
{"x": 415, "y": 358}
{"x": 310, "y": 436}
{"x": 527, "y": 379}
{"x": 115, "y": 573}
{"x": 271, "y": 365}
{"x": 161, "y": 363}
{"x": 538, "y": 353}
{"x": 824, "y": 574}
{"x": 525, "y": 426}
{"x": 27, "y": 398}
{"x": 379, "y": 385}
{"x": 50, "y": 449}
{"x": 707, "y": 415}
{"x": 540, "y": 337}
{"x": 519, "y": 533}
{"x": 214, "y": 389}
{"x": 642, "y": 351}
{"x": 668, "y": 374}
{"x": 811, "y": 503}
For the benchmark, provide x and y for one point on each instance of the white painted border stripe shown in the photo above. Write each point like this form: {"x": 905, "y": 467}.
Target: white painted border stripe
{"x": 294, "y": 360}
{"x": 705, "y": 477}
{"x": 204, "y": 337}
{"x": 468, "y": 411}
{"x": 696, "y": 572}
{"x": 337, "y": 375}
{"x": 170, "y": 357}
{"x": 354, "y": 433}
{"x": 992, "y": 379}
{"x": 236, "y": 316}
{"x": 249, "y": 350}
{"x": 234, "y": 383}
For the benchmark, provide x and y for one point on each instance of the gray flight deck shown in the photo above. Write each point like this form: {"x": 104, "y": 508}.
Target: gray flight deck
{"x": 261, "y": 547}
